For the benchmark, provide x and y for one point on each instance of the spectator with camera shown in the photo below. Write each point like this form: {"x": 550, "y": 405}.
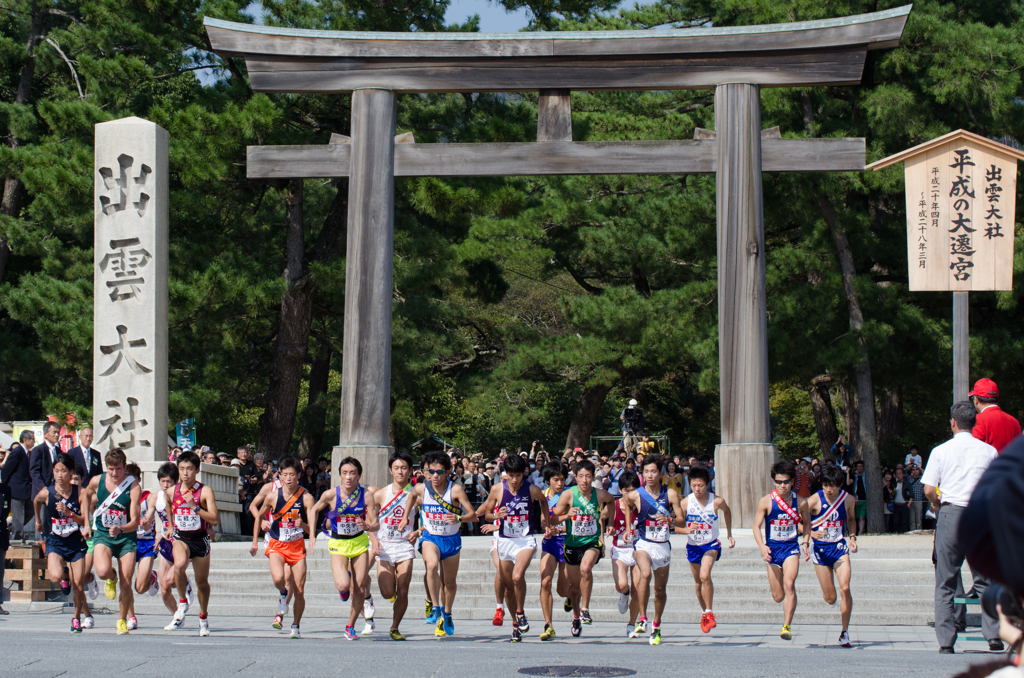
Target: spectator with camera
{"x": 632, "y": 418}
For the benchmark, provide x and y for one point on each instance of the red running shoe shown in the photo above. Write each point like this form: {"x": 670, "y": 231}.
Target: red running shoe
{"x": 711, "y": 621}
{"x": 499, "y": 617}
{"x": 704, "y": 622}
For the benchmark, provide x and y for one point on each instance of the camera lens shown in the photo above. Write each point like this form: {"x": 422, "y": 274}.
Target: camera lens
{"x": 994, "y": 595}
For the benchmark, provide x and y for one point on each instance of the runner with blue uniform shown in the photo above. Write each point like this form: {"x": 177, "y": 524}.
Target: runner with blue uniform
{"x": 552, "y": 559}
{"x": 783, "y": 516}
{"x": 829, "y": 509}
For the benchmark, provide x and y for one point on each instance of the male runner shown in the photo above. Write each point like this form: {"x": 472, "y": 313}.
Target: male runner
{"x": 499, "y": 583}
{"x": 657, "y": 511}
{"x": 444, "y": 506}
{"x": 354, "y": 513}
{"x": 828, "y": 509}
{"x": 552, "y": 555}
{"x": 703, "y": 548}
{"x": 586, "y": 506}
{"x": 65, "y": 545}
{"x": 510, "y": 502}
{"x": 283, "y": 599}
{"x": 92, "y": 589}
{"x": 145, "y": 552}
{"x": 393, "y": 545}
{"x": 193, "y": 508}
{"x": 787, "y": 517}
{"x": 112, "y": 499}
{"x": 286, "y": 540}
{"x": 167, "y": 476}
{"x": 624, "y": 569}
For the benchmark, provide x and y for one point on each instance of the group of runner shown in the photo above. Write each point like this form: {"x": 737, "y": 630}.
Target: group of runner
{"x": 126, "y": 528}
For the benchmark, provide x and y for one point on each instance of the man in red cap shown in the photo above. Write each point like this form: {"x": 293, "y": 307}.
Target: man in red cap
{"x": 995, "y": 427}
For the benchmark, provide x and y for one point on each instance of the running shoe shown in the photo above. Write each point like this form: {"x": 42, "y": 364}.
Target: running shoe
{"x": 350, "y": 633}
{"x": 567, "y": 605}
{"x": 655, "y": 638}
{"x": 204, "y": 627}
{"x": 426, "y": 608}
{"x": 93, "y": 588}
{"x": 704, "y": 622}
{"x": 548, "y": 633}
{"x": 76, "y": 626}
{"x": 640, "y": 629}
{"x": 787, "y": 633}
{"x": 278, "y": 622}
{"x": 499, "y": 617}
{"x": 517, "y": 635}
{"x": 369, "y": 627}
{"x": 623, "y": 603}
{"x": 577, "y": 627}
{"x": 711, "y": 621}
{"x": 393, "y": 598}
{"x": 295, "y": 632}
{"x": 154, "y": 584}
{"x": 88, "y": 622}
{"x": 449, "y": 625}
{"x": 844, "y": 639}
{"x": 178, "y": 619}
{"x": 629, "y": 630}
{"x": 343, "y": 595}
{"x": 433, "y": 615}
{"x": 133, "y": 623}
{"x": 110, "y": 588}
{"x": 368, "y": 608}
{"x": 190, "y": 593}
{"x": 396, "y": 635}
{"x": 585, "y": 617}
{"x": 439, "y": 629}
{"x": 122, "y": 627}
{"x": 65, "y": 586}
{"x": 524, "y": 623}
{"x": 282, "y": 602}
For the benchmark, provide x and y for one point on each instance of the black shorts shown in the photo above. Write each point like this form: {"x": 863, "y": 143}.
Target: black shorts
{"x": 198, "y": 547}
{"x": 574, "y": 554}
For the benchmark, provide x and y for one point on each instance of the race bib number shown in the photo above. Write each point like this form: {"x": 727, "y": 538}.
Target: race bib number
{"x": 833, "y": 530}
{"x": 114, "y": 517}
{"x": 583, "y": 526}
{"x": 186, "y": 520}
{"x": 289, "y": 532}
{"x": 657, "y": 531}
{"x": 63, "y": 527}
{"x": 515, "y": 526}
{"x": 347, "y": 526}
{"x": 700, "y": 532}
{"x": 782, "y": 529}
{"x": 391, "y": 530}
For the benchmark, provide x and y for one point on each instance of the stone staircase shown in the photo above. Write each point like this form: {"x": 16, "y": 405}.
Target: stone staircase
{"x": 893, "y": 584}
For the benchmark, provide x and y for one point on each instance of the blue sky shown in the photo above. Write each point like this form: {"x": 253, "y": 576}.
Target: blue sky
{"x": 493, "y": 17}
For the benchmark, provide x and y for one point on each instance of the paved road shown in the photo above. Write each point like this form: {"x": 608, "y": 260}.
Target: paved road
{"x": 39, "y": 645}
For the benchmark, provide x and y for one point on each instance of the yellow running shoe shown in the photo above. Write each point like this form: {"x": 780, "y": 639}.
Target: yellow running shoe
{"x": 439, "y": 630}
{"x": 427, "y": 608}
{"x": 787, "y": 633}
{"x": 655, "y": 638}
{"x": 393, "y": 598}
{"x": 396, "y": 635}
{"x": 122, "y": 627}
{"x": 110, "y": 589}
{"x": 548, "y": 633}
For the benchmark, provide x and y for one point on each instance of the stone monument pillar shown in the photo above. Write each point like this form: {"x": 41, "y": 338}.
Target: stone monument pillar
{"x": 130, "y": 289}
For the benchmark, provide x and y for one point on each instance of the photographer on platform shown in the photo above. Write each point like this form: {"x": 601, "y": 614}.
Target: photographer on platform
{"x": 632, "y": 418}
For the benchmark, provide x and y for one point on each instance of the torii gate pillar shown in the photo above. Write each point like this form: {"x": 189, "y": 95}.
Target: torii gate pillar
{"x": 746, "y": 454}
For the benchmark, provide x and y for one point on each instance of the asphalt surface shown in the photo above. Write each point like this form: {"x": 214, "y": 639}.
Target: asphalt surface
{"x": 40, "y": 645}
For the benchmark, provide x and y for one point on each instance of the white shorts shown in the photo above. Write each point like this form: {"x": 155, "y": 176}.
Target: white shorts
{"x": 494, "y": 543}
{"x": 395, "y": 552}
{"x": 625, "y": 555}
{"x": 660, "y": 552}
{"x": 509, "y": 547}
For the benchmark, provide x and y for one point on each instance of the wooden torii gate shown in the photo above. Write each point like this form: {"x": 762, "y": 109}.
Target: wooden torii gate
{"x": 735, "y": 61}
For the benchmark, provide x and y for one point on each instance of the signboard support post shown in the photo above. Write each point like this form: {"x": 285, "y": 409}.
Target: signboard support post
{"x": 961, "y": 349}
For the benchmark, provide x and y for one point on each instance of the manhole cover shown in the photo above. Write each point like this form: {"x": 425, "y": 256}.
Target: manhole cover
{"x": 595, "y": 671}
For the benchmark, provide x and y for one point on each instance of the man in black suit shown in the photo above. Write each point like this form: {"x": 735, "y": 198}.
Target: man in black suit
{"x": 16, "y": 476}
{"x": 88, "y": 458}
{"x": 40, "y": 465}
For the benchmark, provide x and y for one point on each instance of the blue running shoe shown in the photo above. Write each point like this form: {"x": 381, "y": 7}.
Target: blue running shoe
{"x": 343, "y": 595}
{"x": 449, "y": 625}
{"x": 435, "y": 614}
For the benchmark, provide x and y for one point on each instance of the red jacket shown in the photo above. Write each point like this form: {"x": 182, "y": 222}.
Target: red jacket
{"x": 995, "y": 427}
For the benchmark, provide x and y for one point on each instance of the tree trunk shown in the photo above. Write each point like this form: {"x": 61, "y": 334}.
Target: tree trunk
{"x": 585, "y": 418}
{"x": 278, "y": 419}
{"x": 865, "y": 390}
{"x": 824, "y": 415}
{"x": 851, "y": 419}
{"x": 890, "y": 417}
{"x": 316, "y": 413}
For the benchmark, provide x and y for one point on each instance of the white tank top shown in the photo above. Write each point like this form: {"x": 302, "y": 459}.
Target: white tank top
{"x": 702, "y": 520}
{"x": 391, "y": 514}
{"x": 434, "y": 514}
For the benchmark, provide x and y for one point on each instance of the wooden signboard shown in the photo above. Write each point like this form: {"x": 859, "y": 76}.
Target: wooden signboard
{"x": 960, "y": 191}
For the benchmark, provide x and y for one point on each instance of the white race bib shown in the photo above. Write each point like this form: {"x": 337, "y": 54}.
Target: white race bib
{"x": 186, "y": 520}
{"x": 515, "y": 526}
{"x": 583, "y": 525}
{"x": 391, "y": 531}
{"x": 833, "y": 530}
{"x": 782, "y": 529}
{"x": 700, "y": 533}
{"x": 657, "y": 531}
{"x": 112, "y": 517}
{"x": 287, "y": 531}
{"x": 63, "y": 527}
{"x": 346, "y": 525}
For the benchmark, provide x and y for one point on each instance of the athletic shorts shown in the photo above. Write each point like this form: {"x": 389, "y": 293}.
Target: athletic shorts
{"x": 861, "y": 509}
{"x": 509, "y": 547}
{"x": 70, "y": 549}
{"x": 145, "y": 549}
{"x": 197, "y": 548}
{"x": 626, "y": 555}
{"x": 291, "y": 551}
{"x": 552, "y": 547}
{"x": 350, "y": 548}
{"x": 695, "y": 552}
{"x": 119, "y": 546}
{"x": 574, "y": 554}
{"x": 89, "y": 544}
{"x": 659, "y": 551}
{"x": 396, "y": 552}
{"x": 828, "y": 553}
{"x": 782, "y": 552}
{"x": 447, "y": 546}
{"x": 494, "y": 544}
{"x": 166, "y": 550}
